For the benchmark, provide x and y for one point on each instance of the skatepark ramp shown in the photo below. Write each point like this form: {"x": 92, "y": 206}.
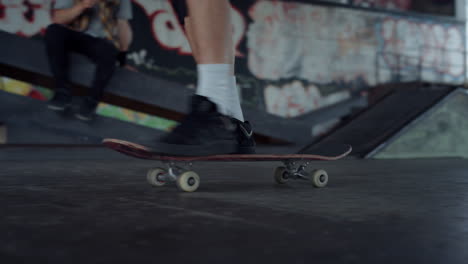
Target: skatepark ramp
{"x": 408, "y": 122}
{"x": 442, "y": 131}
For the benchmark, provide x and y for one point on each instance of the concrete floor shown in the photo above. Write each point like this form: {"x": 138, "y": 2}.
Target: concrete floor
{"x": 91, "y": 205}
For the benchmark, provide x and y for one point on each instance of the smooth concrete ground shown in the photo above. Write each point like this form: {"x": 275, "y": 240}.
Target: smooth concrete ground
{"x": 90, "y": 205}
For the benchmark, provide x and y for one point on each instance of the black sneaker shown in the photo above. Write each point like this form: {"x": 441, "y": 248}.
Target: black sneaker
{"x": 87, "y": 109}
{"x": 60, "y": 101}
{"x": 204, "y": 131}
{"x": 245, "y": 138}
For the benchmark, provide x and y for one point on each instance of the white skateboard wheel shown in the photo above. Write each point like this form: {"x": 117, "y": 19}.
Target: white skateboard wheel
{"x": 319, "y": 178}
{"x": 188, "y": 181}
{"x": 281, "y": 176}
{"x": 154, "y": 177}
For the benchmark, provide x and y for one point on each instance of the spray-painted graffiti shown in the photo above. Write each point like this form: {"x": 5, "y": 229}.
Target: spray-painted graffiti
{"x": 24, "y": 17}
{"x": 26, "y": 89}
{"x": 321, "y": 45}
{"x": 387, "y": 4}
{"x": 324, "y": 53}
{"x": 131, "y": 116}
{"x": 294, "y": 99}
{"x": 22, "y": 88}
{"x": 434, "y": 51}
{"x": 313, "y": 43}
{"x": 168, "y": 32}
{"x": 30, "y": 17}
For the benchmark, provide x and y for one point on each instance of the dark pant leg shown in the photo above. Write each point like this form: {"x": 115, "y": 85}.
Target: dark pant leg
{"x": 180, "y": 8}
{"x": 57, "y": 38}
{"x": 104, "y": 54}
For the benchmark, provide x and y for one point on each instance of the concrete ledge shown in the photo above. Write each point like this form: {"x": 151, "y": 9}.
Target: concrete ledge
{"x": 31, "y": 122}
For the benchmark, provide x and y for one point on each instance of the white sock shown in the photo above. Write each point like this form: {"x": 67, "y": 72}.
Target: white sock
{"x": 215, "y": 83}
{"x": 235, "y": 105}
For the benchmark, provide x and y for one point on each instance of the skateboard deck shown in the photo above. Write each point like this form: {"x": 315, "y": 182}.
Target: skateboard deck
{"x": 294, "y": 164}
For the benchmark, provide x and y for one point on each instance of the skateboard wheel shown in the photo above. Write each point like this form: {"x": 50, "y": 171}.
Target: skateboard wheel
{"x": 188, "y": 181}
{"x": 154, "y": 177}
{"x": 319, "y": 178}
{"x": 281, "y": 175}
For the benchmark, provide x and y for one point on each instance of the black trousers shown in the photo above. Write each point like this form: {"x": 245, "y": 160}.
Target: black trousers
{"x": 60, "y": 41}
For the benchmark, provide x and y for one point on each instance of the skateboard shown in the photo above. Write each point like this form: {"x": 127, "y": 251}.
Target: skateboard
{"x": 178, "y": 168}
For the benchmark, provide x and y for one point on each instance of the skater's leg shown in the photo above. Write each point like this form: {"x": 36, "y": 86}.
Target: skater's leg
{"x": 233, "y": 105}
{"x": 209, "y": 128}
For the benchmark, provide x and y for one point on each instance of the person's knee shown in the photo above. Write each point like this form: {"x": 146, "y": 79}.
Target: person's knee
{"x": 54, "y": 29}
{"x": 54, "y": 32}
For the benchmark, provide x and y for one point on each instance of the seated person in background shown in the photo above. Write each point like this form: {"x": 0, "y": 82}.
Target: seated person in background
{"x": 98, "y": 29}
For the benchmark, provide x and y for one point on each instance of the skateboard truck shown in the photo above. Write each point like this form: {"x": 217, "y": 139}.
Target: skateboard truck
{"x": 173, "y": 170}
{"x": 185, "y": 179}
{"x": 291, "y": 171}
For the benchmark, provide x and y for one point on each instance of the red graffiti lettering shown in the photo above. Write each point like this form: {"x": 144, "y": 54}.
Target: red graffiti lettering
{"x": 26, "y": 18}
{"x": 168, "y": 32}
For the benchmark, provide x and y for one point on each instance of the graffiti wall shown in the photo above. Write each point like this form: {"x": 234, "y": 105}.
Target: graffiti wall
{"x": 26, "y": 18}
{"x": 386, "y": 4}
{"x": 435, "y": 7}
{"x": 292, "y": 58}
{"x": 421, "y": 50}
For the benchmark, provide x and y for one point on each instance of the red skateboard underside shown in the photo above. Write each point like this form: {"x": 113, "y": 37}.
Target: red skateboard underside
{"x": 142, "y": 152}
